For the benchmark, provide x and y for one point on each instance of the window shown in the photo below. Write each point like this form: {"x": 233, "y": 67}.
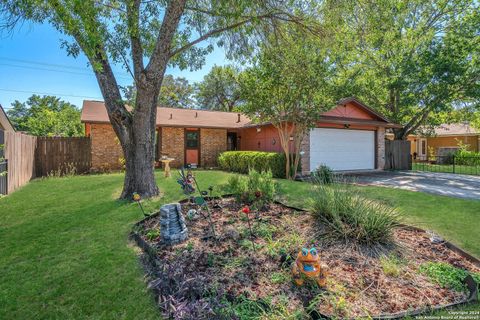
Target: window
{"x": 192, "y": 139}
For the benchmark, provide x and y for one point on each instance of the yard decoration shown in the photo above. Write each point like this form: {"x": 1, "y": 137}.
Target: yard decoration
{"x": 173, "y": 229}
{"x": 137, "y": 198}
{"x": 307, "y": 266}
{"x": 186, "y": 181}
{"x": 246, "y": 210}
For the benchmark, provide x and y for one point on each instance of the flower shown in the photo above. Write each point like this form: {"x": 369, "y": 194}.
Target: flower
{"x": 136, "y": 197}
{"x": 246, "y": 210}
{"x": 258, "y": 194}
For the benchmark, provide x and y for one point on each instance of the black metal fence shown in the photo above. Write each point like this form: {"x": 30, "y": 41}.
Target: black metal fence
{"x": 459, "y": 164}
{"x": 3, "y": 177}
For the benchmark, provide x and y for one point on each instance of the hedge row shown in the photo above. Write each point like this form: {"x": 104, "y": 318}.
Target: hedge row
{"x": 242, "y": 161}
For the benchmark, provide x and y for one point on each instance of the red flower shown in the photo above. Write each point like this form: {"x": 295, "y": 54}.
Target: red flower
{"x": 258, "y": 194}
{"x": 246, "y": 210}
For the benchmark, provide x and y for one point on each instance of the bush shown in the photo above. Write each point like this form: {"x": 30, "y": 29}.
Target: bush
{"x": 446, "y": 275}
{"x": 243, "y": 161}
{"x": 257, "y": 188}
{"x": 467, "y": 158}
{"x": 351, "y": 216}
{"x": 323, "y": 175}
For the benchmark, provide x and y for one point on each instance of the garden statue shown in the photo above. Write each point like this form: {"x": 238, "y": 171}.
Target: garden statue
{"x": 187, "y": 181}
{"x": 172, "y": 224}
{"x": 307, "y": 266}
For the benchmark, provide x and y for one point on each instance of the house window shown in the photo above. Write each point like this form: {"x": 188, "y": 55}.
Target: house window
{"x": 192, "y": 139}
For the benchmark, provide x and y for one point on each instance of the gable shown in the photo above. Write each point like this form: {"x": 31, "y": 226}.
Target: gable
{"x": 351, "y": 108}
{"x": 5, "y": 123}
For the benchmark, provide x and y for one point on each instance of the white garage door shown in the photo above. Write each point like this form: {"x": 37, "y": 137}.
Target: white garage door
{"x": 342, "y": 149}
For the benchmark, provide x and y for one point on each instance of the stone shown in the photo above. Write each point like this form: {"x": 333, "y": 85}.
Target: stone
{"x": 173, "y": 229}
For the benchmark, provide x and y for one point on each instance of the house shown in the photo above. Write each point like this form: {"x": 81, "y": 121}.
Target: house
{"x": 351, "y": 136}
{"x": 444, "y": 139}
{"x": 5, "y": 124}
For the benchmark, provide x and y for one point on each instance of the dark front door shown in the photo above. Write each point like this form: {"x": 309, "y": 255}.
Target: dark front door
{"x": 231, "y": 141}
{"x": 192, "y": 146}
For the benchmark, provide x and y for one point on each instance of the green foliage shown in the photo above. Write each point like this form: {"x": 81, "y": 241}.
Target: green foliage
{"x": 352, "y": 216}
{"x": 257, "y": 188}
{"x": 46, "y": 116}
{"x": 466, "y": 157}
{"x": 409, "y": 59}
{"x": 323, "y": 175}
{"x": 2, "y": 159}
{"x": 447, "y": 275}
{"x": 153, "y": 234}
{"x": 176, "y": 92}
{"x": 220, "y": 89}
{"x": 280, "y": 277}
{"x": 243, "y": 161}
{"x": 391, "y": 265}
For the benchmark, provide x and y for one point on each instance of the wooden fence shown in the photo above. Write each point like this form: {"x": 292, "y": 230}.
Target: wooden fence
{"x": 397, "y": 155}
{"x": 62, "y": 155}
{"x": 29, "y": 157}
{"x": 3, "y": 165}
{"x": 20, "y": 154}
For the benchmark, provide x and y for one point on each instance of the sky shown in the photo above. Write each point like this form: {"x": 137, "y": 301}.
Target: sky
{"x": 32, "y": 61}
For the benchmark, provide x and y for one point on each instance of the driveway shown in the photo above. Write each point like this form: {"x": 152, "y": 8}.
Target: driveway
{"x": 446, "y": 184}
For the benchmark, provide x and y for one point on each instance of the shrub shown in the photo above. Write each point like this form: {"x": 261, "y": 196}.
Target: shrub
{"x": 323, "y": 175}
{"x": 447, "y": 275}
{"x": 467, "y": 158}
{"x": 243, "y": 161}
{"x": 351, "y": 216}
{"x": 257, "y": 188}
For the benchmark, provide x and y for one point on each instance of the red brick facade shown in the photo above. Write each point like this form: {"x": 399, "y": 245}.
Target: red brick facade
{"x": 212, "y": 143}
{"x": 106, "y": 150}
{"x": 172, "y": 145}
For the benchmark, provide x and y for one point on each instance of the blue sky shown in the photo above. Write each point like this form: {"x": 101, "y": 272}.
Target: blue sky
{"x": 31, "y": 61}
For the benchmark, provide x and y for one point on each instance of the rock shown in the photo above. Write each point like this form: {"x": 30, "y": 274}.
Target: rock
{"x": 172, "y": 224}
{"x": 231, "y": 233}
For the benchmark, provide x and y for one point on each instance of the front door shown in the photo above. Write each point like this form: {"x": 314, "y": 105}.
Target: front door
{"x": 192, "y": 147}
{"x": 422, "y": 149}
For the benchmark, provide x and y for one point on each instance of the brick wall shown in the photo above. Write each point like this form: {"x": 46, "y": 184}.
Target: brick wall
{"x": 305, "y": 151}
{"x": 173, "y": 145}
{"x": 106, "y": 150}
{"x": 212, "y": 143}
{"x": 380, "y": 148}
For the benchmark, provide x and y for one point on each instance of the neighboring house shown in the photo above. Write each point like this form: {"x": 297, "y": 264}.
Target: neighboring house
{"x": 351, "y": 136}
{"x": 445, "y": 138}
{"x": 5, "y": 123}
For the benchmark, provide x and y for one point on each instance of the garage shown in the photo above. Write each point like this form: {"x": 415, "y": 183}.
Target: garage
{"x": 342, "y": 149}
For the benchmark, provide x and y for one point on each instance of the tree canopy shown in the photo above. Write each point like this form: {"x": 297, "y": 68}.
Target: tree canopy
{"x": 46, "y": 116}
{"x": 409, "y": 59}
{"x": 289, "y": 85}
{"x": 220, "y": 89}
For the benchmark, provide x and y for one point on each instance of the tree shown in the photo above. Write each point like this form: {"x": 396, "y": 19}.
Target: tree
{"x": 288, "y": 86}
{"x": 46, "y": 116}
{"x": 410, "y": 59}
{"x": 176, "y": 92}
{"x": 147, "y": 36}
{"x": 219, "y": 89}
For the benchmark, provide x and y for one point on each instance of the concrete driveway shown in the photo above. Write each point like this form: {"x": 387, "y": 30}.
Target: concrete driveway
{"x": 446, "y": 184}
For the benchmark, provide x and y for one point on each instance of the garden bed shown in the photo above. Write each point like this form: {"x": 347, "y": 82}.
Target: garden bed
{"x": 228, "y": 277}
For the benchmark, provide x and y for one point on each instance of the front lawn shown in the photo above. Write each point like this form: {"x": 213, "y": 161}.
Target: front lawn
{"x": 65, "y": 252}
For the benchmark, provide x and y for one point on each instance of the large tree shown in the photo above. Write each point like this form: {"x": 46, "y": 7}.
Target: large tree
{"x": 410, "y": 59}
{"x": 289, "y": 86}
{"x": 176, "y": 92}
{"x": 148, "y": 36}
{"x": 46, "y": 116}
{"x": 219, "y": 89}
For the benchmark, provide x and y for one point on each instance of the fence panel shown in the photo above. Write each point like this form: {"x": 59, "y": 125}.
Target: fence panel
{"x": 397, "y": 155}
{"x": 451, "y": 163}
{"x": 61, "y": 155}
{"x": 20, "y": 153}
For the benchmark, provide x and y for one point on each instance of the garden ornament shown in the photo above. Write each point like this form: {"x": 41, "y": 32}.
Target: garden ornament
{"x": 307, "y": 266}
{"x": 186, "y": 181}
{"x": 173, "y": 229}
{"x": 136, "y": 197}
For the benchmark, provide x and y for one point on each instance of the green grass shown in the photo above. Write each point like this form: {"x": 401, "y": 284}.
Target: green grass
{"x": 65, "y": 253}
{"x": 446, "y": 168}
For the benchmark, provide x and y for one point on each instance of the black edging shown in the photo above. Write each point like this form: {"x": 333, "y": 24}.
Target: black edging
{"x": 473, "y": 288}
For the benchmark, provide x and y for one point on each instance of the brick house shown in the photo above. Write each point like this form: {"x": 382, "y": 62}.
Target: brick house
{"x": 351, "y": 136}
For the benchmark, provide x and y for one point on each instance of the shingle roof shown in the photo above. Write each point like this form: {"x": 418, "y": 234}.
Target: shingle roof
{"x": 95, "y": 112}
{"x": 455, "y": 129}
{"x": 4, "y": 121}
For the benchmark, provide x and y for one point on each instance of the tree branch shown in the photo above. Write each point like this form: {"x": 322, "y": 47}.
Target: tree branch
{"x": 133, "y": 16}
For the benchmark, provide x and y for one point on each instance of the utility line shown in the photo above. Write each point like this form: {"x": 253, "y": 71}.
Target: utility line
{"x": 50, "y": 94}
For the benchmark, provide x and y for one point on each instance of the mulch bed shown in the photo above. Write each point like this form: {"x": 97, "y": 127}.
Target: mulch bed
{"x": 228, "y": 266}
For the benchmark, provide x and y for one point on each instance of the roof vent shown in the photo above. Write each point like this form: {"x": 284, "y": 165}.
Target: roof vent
{"x": 171, "y": 115}
{"x": 238, "y": 120}
{"x": 196, "y": 114}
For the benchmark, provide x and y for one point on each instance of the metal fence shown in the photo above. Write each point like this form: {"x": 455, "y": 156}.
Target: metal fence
{"x": 449, "y": 164}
